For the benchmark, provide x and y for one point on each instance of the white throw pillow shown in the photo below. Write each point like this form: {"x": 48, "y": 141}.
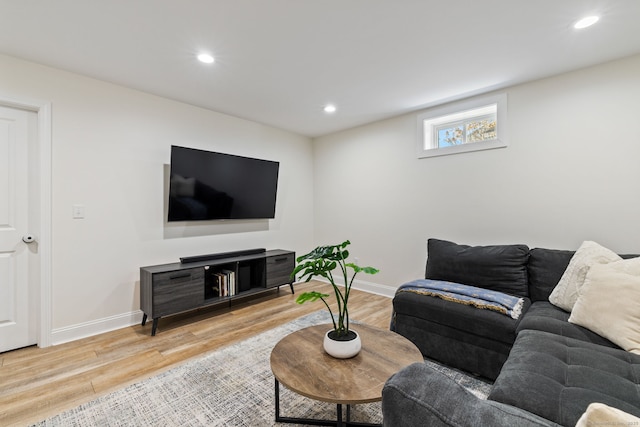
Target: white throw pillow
{"x": 599, "y": 414}
{"x": 565, "y": 294}
{"x": 609, "y": 303}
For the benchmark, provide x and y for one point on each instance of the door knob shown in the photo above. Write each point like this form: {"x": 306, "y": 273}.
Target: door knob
{"x": 28, "y": 238}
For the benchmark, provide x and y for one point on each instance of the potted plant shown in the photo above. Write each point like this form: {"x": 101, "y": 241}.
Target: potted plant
{"x": 322, "y": 261}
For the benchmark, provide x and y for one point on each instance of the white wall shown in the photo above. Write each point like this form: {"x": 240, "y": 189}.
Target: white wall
{"x": 111, "y": 150}
{"x": 571, "y": 173}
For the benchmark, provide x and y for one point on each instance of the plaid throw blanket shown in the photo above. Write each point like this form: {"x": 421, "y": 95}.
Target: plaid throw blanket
{"x": 469, "y": 295}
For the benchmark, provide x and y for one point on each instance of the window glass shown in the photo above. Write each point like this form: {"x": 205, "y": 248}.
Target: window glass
{"x": 465, "y": 126}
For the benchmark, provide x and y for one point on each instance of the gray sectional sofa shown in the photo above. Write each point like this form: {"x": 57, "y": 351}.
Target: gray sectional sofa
{"x": 546, "y": 369}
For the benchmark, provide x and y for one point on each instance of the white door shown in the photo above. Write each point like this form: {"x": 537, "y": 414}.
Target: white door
{"x": 18, "y": 260}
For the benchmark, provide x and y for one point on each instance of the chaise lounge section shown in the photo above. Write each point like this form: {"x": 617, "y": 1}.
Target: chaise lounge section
{"x": 547, "y": 370}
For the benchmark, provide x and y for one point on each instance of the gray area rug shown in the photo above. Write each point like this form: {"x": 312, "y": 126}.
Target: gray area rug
{"x": 232, "y": 386}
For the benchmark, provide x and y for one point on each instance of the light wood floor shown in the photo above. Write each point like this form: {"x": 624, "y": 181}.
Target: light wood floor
{"x": 36, "y": 383}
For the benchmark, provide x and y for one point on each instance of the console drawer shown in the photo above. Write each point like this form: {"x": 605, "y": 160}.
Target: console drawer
{"x": 279, "y": 269}
{"x": 177, "y": 291}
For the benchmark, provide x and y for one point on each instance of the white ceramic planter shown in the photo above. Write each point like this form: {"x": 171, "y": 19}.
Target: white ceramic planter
{"x": 342, "y": 349}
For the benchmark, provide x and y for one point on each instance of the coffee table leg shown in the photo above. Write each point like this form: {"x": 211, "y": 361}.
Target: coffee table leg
{"x": 340, "y": 423}
{"x": 277, "y": 401}
{"x": 315, "y": 422}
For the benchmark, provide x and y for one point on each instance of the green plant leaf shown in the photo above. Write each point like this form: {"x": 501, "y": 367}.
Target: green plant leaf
{"x": 322, "y": 261}
{"x": 370, "y": 270}
{"x": 310, "y": 296}
{"x": 330, "y": 252}
{"x": 358, "y": 269}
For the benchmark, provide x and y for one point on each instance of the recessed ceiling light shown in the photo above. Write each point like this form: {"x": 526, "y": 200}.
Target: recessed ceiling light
{"x": 206, "y": 58}
{"x": 586, "y": 22}
{"x": 329, "y": 108}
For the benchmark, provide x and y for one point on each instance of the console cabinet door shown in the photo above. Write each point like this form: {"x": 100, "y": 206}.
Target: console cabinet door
{"x": 279, "y": 268}
{"x": 177, "y": 291}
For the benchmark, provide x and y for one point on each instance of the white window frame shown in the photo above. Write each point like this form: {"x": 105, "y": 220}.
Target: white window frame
{"x": 430, "y": 120}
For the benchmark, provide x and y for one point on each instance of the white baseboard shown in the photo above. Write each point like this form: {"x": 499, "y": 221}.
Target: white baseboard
{"x": 361, "y": 285}
{"x": 108, "y": 324}
{"x": 375, "y": 288}
{"x": 95, "y": 327}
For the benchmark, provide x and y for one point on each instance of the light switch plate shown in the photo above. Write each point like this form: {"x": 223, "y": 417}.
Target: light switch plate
{"x": 78, "y": 211}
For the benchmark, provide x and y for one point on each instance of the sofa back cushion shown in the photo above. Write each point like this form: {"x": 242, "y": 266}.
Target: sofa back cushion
{"x": 501, "y": 268}
{"x": 545, "y": 268}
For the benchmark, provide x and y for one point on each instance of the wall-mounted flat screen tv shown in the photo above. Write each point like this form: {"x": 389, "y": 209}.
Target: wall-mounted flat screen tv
{"x": 205, "y": 185}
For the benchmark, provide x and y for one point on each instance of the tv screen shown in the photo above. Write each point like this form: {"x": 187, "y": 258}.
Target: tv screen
{"x": 206, "y": 185}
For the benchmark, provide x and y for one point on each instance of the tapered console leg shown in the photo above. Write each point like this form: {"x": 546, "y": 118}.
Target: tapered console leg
{"x": 291, "y": 286}
{"x": 154, "y": 327}
{"x": 144, "y": 318}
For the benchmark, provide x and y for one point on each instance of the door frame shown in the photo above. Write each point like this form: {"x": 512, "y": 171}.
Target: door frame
{"x": 43, "y": 111}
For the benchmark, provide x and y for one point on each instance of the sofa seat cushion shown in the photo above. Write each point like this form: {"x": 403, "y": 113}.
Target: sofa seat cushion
{"x": 544, "y": 316}
{"x": 558, "y": 377}
{"x": 460, "y": 336}
{"x": 484, "y": 323}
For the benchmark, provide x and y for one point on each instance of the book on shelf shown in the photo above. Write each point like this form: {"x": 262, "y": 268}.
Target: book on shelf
{"x": 224, "y": 283}
{"x": 230, "y": 277}
{"x": 216, "y": 286}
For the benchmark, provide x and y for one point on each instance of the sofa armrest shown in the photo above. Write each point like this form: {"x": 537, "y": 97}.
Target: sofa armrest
{"x": 421, "y": 396}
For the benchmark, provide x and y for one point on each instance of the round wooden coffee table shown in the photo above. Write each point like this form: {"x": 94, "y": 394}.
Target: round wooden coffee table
{"x": 300, "y": 363}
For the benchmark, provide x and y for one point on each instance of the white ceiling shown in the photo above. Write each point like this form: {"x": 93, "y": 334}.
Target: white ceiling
{"x": 278, "y": 62}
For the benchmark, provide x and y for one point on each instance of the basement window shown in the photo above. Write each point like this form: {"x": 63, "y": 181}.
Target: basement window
{"x": 471, "y": 125}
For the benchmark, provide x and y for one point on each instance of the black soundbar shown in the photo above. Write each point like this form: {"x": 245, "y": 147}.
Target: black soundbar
{"x": 210, "y": 257}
